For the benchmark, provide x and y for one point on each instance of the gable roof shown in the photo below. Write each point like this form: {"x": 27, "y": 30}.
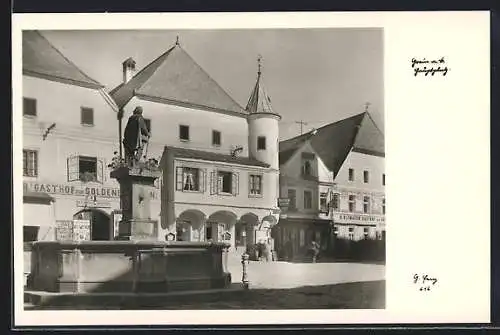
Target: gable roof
{"x": 41, "y": 59}
{"x": 334, "y": 141}
{"x": 213, "y": 156}
{"x": 174, "y": 77}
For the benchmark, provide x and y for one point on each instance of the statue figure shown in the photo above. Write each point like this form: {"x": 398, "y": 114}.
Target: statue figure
{"x": 136, "y": 137}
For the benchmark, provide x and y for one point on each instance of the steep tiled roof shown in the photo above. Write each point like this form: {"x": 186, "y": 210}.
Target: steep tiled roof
{"x": 334, "y": 141}
{"x": 174, "y": 77}
{"x": 213, "y": 156}
{"x": 42, "y": 59}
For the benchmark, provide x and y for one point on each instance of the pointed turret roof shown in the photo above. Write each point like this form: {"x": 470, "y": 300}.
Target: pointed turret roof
{"x": 42, "y": 59}
{"x": 334, "y": 141}
{"x": 259, "y": 101}
{"x": 175, "y": 78}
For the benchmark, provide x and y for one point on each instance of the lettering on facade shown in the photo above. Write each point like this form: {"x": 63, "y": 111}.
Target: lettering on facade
{"x": 347, "y": 218}
{"x": 65, "y": 189}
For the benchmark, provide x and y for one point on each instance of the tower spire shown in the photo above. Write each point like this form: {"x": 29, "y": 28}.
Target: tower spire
{"x": 259, "y": 64}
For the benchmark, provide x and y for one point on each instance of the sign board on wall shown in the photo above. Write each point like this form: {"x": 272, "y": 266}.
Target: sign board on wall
{"x": 81, "y": 230}
{"x": 64, "y": 230}
{"x": 358, "y": 218}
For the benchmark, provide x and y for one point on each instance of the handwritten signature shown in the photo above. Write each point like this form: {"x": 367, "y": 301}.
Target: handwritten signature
{"x": 427, "y": 67}
{"x": 425, "y": 282}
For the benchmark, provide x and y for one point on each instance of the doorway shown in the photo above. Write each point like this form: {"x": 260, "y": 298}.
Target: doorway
{"x": 100, "y": 223}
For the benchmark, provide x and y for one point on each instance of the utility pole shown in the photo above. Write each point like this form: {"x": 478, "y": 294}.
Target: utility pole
{"x": 302, "y": 124}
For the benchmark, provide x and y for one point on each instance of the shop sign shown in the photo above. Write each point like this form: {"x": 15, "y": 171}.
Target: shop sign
{"x": 69, "y": 189}
{"x": 358, "y": 218}
{"x": 283, "y": 202}
{"x": 64, "y": 230}
{"x": 93, "y": 204}
{"x": 81, "y": 230}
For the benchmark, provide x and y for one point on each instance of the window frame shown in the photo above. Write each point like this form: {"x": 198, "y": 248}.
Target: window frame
{"x": 83, "y": 110}
{"x": 352, "y": 202}
{"x": 180, "y": 179}
{"x": 73, "y": 161}
{"x": 259, "y": 143}
{"x": 366, "y": 177}
{"x": 219, "y": 133}
{"x": 310, "y": 199}
{"x": 336, "y": 201}
{"x": 323, "y": 196}
{"x": 351, "y": 177}
{"x": 35, "y": 103}
{"x": 366, "y": 204}
{"x": 186, "y": 128}
{"x": 35, "y": 163}
{"x": 216, "y": 186}
{"x": 252, "y": 176}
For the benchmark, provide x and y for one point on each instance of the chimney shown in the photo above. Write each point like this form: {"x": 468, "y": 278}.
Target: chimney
{"x": 128, "y": 69}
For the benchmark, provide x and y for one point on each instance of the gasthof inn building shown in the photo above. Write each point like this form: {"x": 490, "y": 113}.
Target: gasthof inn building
{"x": 220, "y": 160}
{"x": 334, "y": 180}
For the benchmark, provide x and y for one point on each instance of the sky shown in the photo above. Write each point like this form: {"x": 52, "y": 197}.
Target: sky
{"x": 316, "y": 76}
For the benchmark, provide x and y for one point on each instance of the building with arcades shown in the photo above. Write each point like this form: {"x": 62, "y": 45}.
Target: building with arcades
{"x": 334, "y": 180}
{"x": 220, "y": 160}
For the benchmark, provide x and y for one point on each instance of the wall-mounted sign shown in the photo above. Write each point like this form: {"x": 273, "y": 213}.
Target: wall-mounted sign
{"x": 358, "y": 218}
{"x": 93, "y": 204}
{"x": 72, "y": 189}
{"x": 81, "y": 230}
{"x": 283, "y": 202}
{"x": 64, "y": 230}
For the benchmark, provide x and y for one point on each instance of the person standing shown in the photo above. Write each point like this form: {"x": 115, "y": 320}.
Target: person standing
{"x": 315, "y": 247}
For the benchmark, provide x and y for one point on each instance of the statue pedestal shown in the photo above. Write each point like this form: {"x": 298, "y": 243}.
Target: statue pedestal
{"x": 136, "y": 189}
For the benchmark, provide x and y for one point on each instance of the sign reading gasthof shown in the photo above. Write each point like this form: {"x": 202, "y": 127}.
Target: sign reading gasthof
{"x": 358, "y": 218}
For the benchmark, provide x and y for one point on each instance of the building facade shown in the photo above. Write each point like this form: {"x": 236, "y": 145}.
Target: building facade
{"x": 72, "y": 127}
{"x": 334, "y": 180}
{"x": 67, "y": 144}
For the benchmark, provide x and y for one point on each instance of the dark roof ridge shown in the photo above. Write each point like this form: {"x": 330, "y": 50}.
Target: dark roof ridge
{"x": 67, "y": 59}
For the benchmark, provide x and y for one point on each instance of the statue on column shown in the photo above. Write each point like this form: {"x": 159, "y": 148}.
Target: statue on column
{"x": 136, "y": 137}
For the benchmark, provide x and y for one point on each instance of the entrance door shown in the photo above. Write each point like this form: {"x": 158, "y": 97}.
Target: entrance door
{"x": 99, "y": 223}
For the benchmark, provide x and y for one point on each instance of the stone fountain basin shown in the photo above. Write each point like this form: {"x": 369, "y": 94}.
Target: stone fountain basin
{"x": 127, "y": 266}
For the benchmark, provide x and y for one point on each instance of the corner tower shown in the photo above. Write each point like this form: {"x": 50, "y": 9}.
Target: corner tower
{"x": 263, "y": 125}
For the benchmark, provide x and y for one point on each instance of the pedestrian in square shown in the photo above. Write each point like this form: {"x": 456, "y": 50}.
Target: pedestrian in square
{"x": 315, "y": 247}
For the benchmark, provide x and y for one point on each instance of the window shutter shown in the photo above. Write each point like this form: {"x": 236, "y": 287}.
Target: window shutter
{"x": 179, "y": 179}
{"x": 250, "y": 177}
{"x": 73, "y": 168}
{"x": 213, "y": 182}
{"x": 201, "y": 180}
{"x": 99, "y": 172}
{"x": 235, "y": 183}
{"x": 203, "y": 183}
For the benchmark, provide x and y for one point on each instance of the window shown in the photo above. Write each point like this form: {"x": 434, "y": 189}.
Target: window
{"x": 366, "y": 177}
{"x": 351, "y": 174}
{"x": 336, "y": 201}
{"x": 87, "y": 116}
{"x": 29, "y": 107}
{"x": 85, "y": 168}
{"x": 383, "y": 179}
{"x": 30, "y": 163}
{"x": 351, "y": 233}
{"x": 307, "y": 199}
{"x": 383, "y": 206}
{"x": 292, "y": 195}
{"x": 306, "y": 168}
{"x": 216, "y": 138}
{"x": 148, "y": 124}
{"x": 184, "y": 133}
{"x": 323, "y": 207}
{"x": 30, "y": 233}
{"x": 255, "y": 186}
{"x": 335, "y": 231}
{"x": 190, "y": 179}
{"x": 352, "y": 203}
{"x": 302, "y": 237}
{"x": 366, "y": 204}
{"x": 261, "y": 143}
{"x": 224, "y": 182}
{"x": 365, "y": 232}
